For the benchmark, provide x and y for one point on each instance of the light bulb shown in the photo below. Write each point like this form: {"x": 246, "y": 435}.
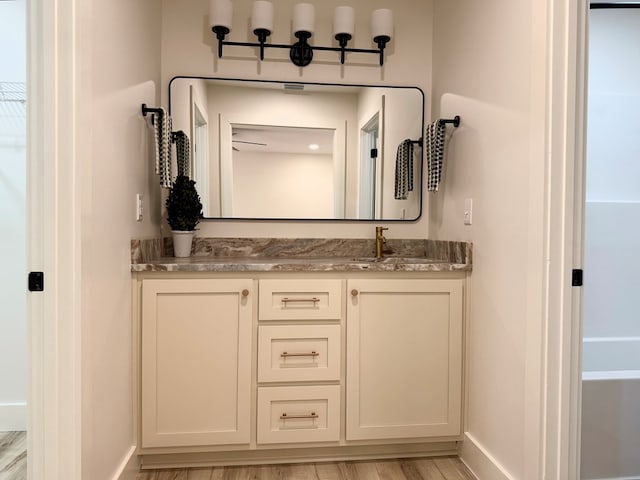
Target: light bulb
{"x": 220, "y": 13}
{"x": 262, "y": 16}
{"x": 303, "y": 17}
{"x": 382, "y": 23}
{"x": 343, "y": 21}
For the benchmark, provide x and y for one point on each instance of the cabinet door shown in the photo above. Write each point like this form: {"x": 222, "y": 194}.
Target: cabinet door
{"x": 196, "y": 362}
{"x": 404, "y": 358}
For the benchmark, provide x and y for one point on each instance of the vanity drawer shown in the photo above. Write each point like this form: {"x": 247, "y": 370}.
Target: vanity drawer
{"x": 295, "y": 353}
{"x": 298, "y": 414}
{"x": 300, "y": 299}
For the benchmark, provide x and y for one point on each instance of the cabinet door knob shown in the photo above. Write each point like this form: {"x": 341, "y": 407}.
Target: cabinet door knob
{"x": 245, "y": 293}
{"x": 354, "y": 293}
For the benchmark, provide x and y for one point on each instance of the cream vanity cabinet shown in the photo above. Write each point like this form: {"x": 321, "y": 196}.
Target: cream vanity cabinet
{"x": 404, "y": 358}
{"x": 281, "y": 360}
{"x": 195, "y": 362}
{"x": 299, "y": 347}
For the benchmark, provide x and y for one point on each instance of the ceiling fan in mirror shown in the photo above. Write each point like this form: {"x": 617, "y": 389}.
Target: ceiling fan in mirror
{"x": 236, "y": 149}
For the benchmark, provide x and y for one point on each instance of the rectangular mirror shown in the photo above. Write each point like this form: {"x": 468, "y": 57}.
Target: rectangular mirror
{"x": 291, "y": 150}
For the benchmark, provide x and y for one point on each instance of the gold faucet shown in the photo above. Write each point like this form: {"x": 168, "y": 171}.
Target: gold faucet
{"x": 380, "y": 240}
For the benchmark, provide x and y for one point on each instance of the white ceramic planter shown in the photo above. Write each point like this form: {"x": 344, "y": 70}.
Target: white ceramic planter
{"x": 182, "y": 243}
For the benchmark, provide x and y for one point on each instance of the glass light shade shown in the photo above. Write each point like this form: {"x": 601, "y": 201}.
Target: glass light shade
{"x": 343, "y": 20}
{"x": 220, "y": 13}
{"x": 382, "y": 23}
{"x": 262, "y": 16}
{"x": 304, "y": 17}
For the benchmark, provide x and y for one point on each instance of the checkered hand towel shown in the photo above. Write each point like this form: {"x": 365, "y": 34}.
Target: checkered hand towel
{"x": 183, "y": 153}
{"x": 162, "y": 131}
{"x": 434, "y": 150}
{"x": 404, "y": 170}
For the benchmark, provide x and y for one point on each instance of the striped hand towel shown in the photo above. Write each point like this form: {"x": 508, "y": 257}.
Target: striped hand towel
{"x": 183, "y": 153}
{"x": 434, "y": 151}
{"x": 404, "y": 170}
{"x": 162, "y": 130}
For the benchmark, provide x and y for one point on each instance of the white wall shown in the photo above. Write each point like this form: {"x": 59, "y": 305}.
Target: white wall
{"x": 611, "y": 262}
{"x": 613, "y": 143}
{"x": 188, "y": 47}
{"x": 13, "y": 342}
{"x": 119, "y": 69}
{"x": 483, "y": 69}
{"x": 612, "y": 214}
{"x": 276, "y": 185}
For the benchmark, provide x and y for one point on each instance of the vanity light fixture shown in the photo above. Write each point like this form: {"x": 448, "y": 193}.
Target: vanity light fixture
{"x": 301, "y": 52}
{"x": 313, "y": 146}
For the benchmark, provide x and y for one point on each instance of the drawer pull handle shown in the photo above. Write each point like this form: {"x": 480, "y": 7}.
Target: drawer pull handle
{"x": 310, "y": 354}
{"x": 354, "y": 293}
{"x": 286, "y": 300}
{"x": 284, "y": 416}
{"x": 245, "y": 293}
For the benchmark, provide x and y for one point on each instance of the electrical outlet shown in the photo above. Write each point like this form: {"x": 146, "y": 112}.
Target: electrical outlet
{"x": 468, "y": 211}
{"x": 138, "y": 207}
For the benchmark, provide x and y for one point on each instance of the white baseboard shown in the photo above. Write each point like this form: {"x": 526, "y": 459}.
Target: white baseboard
{"x": 480, "y": 462}
{"x": 617, "y": 478}
{"x": 129, "y": 467}
{"x": 13, "y": 417}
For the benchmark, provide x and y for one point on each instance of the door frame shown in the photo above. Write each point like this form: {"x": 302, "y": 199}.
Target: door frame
{"x": 54, "y": 247}
{"x": 567, "y": 27}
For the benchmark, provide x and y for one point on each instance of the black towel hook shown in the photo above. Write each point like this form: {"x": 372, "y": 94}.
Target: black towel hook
{"x": 455, "y": 121}
{"x": 153, "y": 111}
{"x": 146, "y": 110}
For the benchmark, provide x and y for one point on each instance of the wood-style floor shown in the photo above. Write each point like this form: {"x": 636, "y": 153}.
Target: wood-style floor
{"x": 13, "y": 455}
{"x": 13, "y": 466}
{"x": 439, "y": 468}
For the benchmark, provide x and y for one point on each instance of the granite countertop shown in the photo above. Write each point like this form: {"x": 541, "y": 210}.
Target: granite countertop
{"x": 309, "y": 264}
{"x": 302, "y": 255}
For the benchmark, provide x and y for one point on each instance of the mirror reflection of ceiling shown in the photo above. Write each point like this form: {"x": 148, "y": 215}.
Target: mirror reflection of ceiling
{"x": 273, "y": 139}
{"x": 251, "y": 157}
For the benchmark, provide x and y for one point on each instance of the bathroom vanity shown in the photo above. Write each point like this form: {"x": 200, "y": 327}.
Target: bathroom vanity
{"x": 301, "y": 355}
{"x": 265, "y": 350}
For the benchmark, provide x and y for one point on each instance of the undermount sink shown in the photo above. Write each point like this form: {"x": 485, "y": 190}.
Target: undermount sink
{"x": 325, "y": 260}
{"x": 338, "y": 260}
{"x": 408, "y": 260}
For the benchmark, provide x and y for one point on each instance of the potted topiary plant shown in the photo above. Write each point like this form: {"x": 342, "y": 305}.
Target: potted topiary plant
{"x": 184, "y": 211}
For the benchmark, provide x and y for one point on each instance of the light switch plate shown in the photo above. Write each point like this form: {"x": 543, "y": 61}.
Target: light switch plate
{"x": 468, "y": 211}
{"x": 138, "y": 207}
